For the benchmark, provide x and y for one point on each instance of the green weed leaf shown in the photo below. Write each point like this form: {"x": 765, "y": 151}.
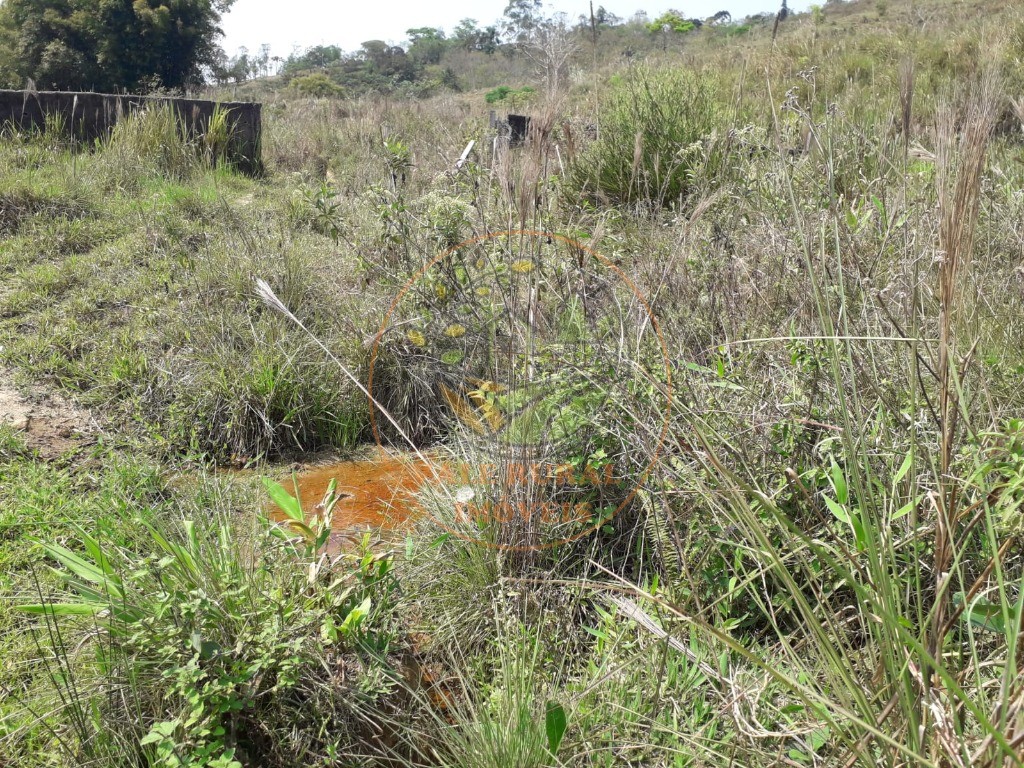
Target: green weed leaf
{"x": 287, "y": 503}
{"x": 554, "y": 725}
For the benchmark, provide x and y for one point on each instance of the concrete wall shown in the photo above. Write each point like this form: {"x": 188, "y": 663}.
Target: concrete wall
{"x": 92, "y": 115}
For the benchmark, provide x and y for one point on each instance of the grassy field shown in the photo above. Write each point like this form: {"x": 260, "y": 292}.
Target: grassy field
{"x": 822, "y": 566}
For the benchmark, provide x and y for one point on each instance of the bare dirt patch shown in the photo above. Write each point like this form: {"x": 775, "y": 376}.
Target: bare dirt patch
{"x": 50, "y": 424}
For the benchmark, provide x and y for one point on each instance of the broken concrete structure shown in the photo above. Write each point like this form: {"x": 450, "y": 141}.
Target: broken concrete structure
{"x": 89, "y": 116}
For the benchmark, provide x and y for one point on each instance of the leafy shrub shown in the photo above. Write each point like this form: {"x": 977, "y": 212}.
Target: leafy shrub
{"x": 656, "y": 131}
{"x": 317, "y": 85}
{"x": 503, "y": 92}
{"x": 218, "y": 657}
{"x": 498, "y": 94}
{"x": 319, "y": 208}
{"x": 448, "y": 218}
{"x": 736, "y": 30}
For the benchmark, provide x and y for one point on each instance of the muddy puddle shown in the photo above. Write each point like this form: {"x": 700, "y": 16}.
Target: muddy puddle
{"x": 382, "y": 494}
{"x": 375, "y": 494}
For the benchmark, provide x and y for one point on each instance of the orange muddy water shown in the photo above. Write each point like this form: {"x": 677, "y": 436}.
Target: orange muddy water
{"x": 382, "y": 493}
{"x": 372, "y": 494}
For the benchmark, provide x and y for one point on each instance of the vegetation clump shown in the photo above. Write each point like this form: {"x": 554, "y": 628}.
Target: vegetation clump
{"x": 658, "y": 136}
{"x": 503, "y": 92}
{"x": 317, "y": 85}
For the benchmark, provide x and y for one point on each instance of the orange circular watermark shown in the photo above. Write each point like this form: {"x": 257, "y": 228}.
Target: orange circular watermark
{"x": 513, "y": 276}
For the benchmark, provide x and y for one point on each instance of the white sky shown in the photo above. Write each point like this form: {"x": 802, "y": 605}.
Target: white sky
{"x": 284, "y": 24}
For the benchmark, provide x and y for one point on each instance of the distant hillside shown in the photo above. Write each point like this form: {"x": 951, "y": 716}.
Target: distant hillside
{"x": 859, "y": 39}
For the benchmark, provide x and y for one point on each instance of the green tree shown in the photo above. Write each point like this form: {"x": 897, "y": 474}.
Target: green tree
{"x": 521, "y": 18}
{"x": 46, "y": 42}
{"x": 237, "y": 68}
{"x": 471, "y": 37}
{"x": 426, "y": 45}
{"x": 317, "y": 57}
{"x": 673, "y": 21}
{"x": 385, "y": 60}
{"x": 602, "y": 18}
{"x": 465, "y": 33}
{"x": 8, "y": 62}
{"x": 128, "y": 45}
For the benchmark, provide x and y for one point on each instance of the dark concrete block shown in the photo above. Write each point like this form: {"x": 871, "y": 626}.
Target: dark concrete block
{"x": 92, "y": 115}
{"x": 519, "y": 127}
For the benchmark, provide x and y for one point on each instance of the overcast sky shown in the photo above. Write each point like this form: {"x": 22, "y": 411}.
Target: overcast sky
{"x": 284, "y": 24}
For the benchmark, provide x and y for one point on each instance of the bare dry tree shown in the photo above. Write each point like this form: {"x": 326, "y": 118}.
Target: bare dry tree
{"x": 550, "y": 47}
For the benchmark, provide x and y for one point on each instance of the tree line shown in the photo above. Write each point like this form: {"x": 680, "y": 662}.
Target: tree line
{"x": 146, "y": 45}
{"x": 109, "y": 45}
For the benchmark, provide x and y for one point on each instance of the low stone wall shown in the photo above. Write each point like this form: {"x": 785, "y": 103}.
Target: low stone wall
{"x": 92, "y": 115}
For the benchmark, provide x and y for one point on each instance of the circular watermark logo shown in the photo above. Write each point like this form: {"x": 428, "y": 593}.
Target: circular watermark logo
{"x": 547, "y": 367}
